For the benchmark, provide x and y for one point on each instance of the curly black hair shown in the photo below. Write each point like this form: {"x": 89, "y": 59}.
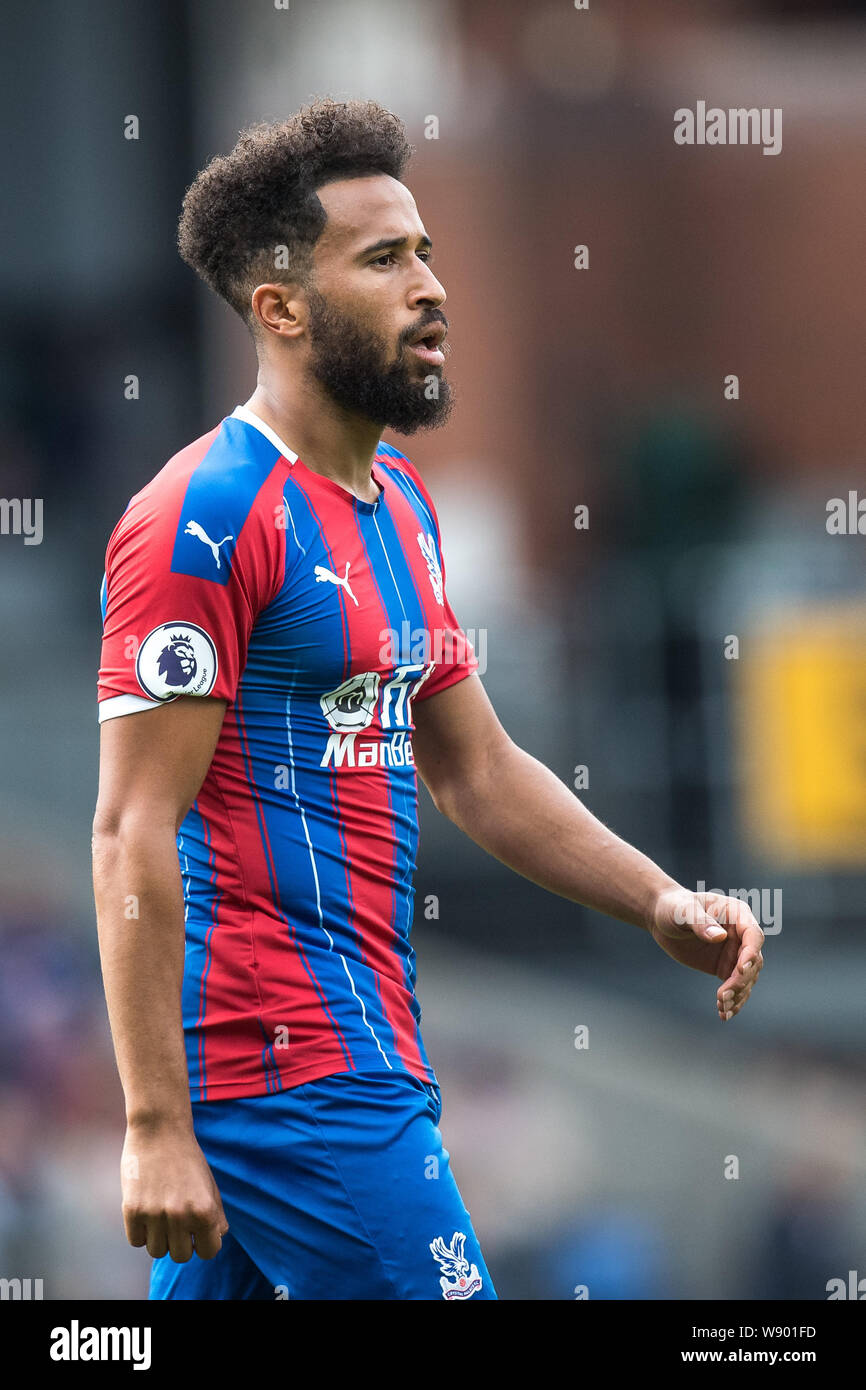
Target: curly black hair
{"x": 244, "y": 205}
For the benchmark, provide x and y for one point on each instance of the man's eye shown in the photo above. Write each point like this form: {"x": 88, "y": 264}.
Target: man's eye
{"x": 389, "y": 257}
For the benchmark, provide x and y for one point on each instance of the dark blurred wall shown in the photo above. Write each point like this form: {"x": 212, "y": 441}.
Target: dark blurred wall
{"x": 91, "y": 287}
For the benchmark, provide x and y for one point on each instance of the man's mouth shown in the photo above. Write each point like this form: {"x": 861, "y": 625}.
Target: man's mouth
{"x": 427, "y": 345}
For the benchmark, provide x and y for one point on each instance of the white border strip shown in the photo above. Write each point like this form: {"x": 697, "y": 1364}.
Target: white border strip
{"x": 241, "y": 412}
{"x": 127, "y": 704}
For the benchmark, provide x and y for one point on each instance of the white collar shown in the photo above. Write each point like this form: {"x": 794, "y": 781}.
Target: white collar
{"x": 242, "y": 412}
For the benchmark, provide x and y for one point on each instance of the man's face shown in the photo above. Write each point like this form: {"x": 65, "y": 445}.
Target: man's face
{"x": 372, "y": 299}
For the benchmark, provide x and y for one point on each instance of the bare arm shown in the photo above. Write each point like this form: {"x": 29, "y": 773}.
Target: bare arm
{"x": 152, "y": 765}
{"x": 520, "y": 812}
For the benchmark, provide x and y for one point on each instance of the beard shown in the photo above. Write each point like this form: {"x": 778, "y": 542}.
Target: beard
{"x": 349, "y": 362}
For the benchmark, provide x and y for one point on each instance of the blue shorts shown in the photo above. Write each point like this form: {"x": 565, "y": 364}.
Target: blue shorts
{"x": 340, "y": 1188}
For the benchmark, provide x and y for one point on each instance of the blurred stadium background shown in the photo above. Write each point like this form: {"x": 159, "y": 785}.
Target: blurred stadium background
{"x": 605, "y": 647}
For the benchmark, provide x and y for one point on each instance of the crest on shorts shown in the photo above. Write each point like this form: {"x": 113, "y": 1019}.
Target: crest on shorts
{"x": 459, "y": 1279}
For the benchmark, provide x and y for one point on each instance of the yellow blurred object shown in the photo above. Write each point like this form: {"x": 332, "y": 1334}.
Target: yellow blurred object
{"x": 801, "y": 721}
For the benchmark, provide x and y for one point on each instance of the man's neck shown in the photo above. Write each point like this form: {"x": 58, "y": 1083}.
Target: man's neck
{"x": 329, "y": 440}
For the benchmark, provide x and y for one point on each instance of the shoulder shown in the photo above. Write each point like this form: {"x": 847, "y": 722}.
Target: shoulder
{"x": 197, "y": 506}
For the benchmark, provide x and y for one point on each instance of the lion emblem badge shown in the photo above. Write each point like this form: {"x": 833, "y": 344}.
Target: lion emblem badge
{"x": 177, "y": 663}
{"x": 177, "y": 659}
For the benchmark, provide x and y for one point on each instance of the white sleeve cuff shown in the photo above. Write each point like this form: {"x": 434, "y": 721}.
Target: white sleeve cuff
{"x": 127, "y": 704}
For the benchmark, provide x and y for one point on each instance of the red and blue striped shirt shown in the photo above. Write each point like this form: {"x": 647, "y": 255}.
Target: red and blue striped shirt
{"x": 240, "y": 573}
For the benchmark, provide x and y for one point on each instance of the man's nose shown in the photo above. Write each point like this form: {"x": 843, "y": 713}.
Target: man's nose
{"x": 429, "y": 291}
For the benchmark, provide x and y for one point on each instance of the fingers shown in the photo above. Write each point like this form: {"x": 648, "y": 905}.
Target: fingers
{"x": 749, "y": 958}
{"x": 179, "y": 1234}
{"x": 208, "y": 1234}
{"x": 147, "y": 1230}
{"x": 749, "y": 961}
{"x": 179, "y": 1238}
{"x": 136, "y": 1228}
{"x": 722, "y": 913}
{"x": 732, "y": 995}
{"x": 157, "y": 1238}
{"x": 710, "y": 930}
{"x": 691, "y": 912}
{"x": 730, "y": 1001}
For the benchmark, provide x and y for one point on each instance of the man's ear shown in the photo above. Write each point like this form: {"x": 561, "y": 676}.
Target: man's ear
{"x": 281, "y": 309}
